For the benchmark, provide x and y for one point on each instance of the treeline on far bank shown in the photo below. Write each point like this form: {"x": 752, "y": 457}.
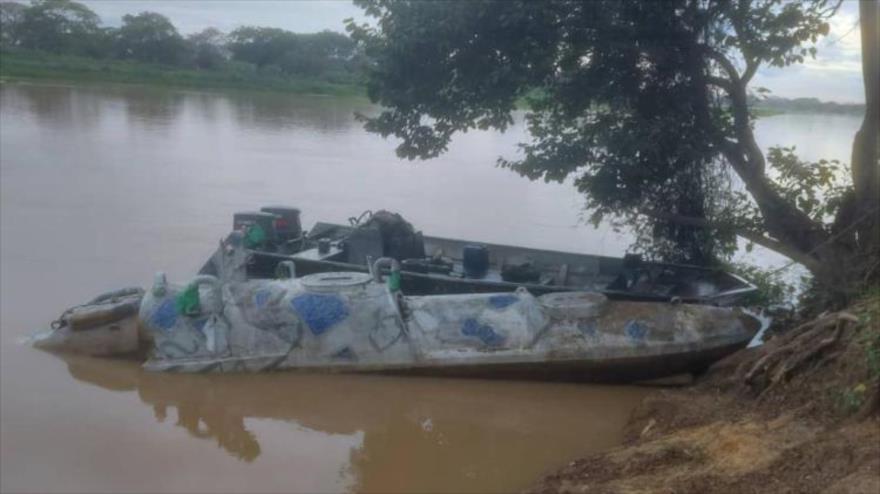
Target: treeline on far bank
{"x": 64, "y": 39}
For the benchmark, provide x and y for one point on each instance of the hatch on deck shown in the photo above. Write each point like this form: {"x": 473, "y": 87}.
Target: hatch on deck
{"x": 334, "y": 281}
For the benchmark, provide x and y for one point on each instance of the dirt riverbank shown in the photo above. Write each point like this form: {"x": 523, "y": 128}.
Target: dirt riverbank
{"x": 799, "y": 414}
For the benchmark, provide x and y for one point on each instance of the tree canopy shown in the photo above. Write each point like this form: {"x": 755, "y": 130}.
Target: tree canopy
{"x": 57, "y": 26}
{"x": 209, "y": 48}
{"x": 149, "y": 37}
{"x": 261, "y": 46}
{"x": 642, "y": 104}
{"x": 10, "y": 17}
{"x": 292, "y": 53}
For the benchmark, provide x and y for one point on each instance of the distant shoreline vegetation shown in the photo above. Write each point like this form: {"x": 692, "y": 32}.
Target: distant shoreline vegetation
{"x": 776, "y": 105}
{"x": 64, "y": 40}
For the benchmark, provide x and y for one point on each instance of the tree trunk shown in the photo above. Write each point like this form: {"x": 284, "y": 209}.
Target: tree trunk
{"x": 782, "y": 219}
{"x": 865, "y": 165}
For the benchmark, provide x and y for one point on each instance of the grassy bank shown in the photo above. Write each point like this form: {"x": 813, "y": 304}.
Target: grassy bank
{"x": 760, "y": 112}
{"x": 22, "y": 65}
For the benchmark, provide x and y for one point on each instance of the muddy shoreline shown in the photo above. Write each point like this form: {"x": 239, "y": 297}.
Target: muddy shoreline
{"x": 811, "y": 424}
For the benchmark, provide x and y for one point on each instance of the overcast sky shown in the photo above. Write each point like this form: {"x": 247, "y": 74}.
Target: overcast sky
{"x": 835, "y": 75}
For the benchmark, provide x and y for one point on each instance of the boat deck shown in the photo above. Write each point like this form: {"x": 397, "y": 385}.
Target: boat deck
{"x": 558, "y": 271}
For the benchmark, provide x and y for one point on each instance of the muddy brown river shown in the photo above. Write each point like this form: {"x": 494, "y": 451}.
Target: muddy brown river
{"x": 103, "y": 186}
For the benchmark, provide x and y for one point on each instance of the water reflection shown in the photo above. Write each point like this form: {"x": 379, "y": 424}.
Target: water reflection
{"x": 268, "y": 112}
{"x": 417, "y": 434}
{"x": 156, "y": 109}
{"x": 54, "y": 107}
{"x": 160, "y": 108}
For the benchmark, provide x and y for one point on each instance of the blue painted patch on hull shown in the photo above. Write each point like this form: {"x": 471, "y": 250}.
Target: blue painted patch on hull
{"x": 165, "y": 316}
{"x": 588, "y": 328}
{"x": 200, "y": 323}
{"x": 260, "y": 298}
{"x": 635, "y": 330}
{"x": 320, "y": 312}
{"x": 484, "y": 332}
{"x": 502, "y": 301}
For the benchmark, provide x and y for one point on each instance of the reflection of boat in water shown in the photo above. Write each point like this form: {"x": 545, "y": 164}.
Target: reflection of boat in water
{"x": 409, "y": 435}
{"x": 356, "y": 322}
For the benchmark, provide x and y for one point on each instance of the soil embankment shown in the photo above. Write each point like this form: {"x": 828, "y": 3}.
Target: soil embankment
{"x": 799, "y": 414}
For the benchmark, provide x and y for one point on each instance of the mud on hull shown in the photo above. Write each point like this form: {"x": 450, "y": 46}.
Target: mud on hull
{"x": 609, "y": 371}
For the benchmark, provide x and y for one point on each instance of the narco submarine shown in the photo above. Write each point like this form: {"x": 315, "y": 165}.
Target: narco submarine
{"x": 377, "y": 296}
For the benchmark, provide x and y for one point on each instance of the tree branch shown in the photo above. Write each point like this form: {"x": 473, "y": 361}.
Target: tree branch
{"x": 736, "y": 90}
{"x": 724, "y": 62}
{"x": 720, "y": 82}
{"x": 782, "y": 219}
{"x": 795, "y": 255}
{"x": 750, "y": 235}
{"x": 751, "y": 67}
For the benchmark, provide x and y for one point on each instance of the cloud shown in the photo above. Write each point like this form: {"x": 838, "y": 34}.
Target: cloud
{"x": 836, "y": 72}
{"x": 189, "y": 16}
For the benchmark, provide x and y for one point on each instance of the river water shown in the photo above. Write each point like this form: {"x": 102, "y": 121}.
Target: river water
{"x": 103, "y": 186}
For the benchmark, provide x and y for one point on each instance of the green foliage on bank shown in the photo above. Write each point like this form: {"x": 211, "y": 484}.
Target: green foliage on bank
{"x": 34, "y": 65}
{"x": 65, "y": 40}
{"x": 776, "y": 105}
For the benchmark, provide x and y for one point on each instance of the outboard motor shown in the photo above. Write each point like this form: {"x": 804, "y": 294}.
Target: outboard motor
{"x": 287, "y": 223}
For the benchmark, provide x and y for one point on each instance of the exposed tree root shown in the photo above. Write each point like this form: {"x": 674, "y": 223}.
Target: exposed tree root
{"x": 807, "y": 343}
{"x": 871, "y": 405}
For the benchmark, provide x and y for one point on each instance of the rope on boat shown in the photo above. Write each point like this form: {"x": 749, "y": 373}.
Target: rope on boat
{"x": 357, "y": 221}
